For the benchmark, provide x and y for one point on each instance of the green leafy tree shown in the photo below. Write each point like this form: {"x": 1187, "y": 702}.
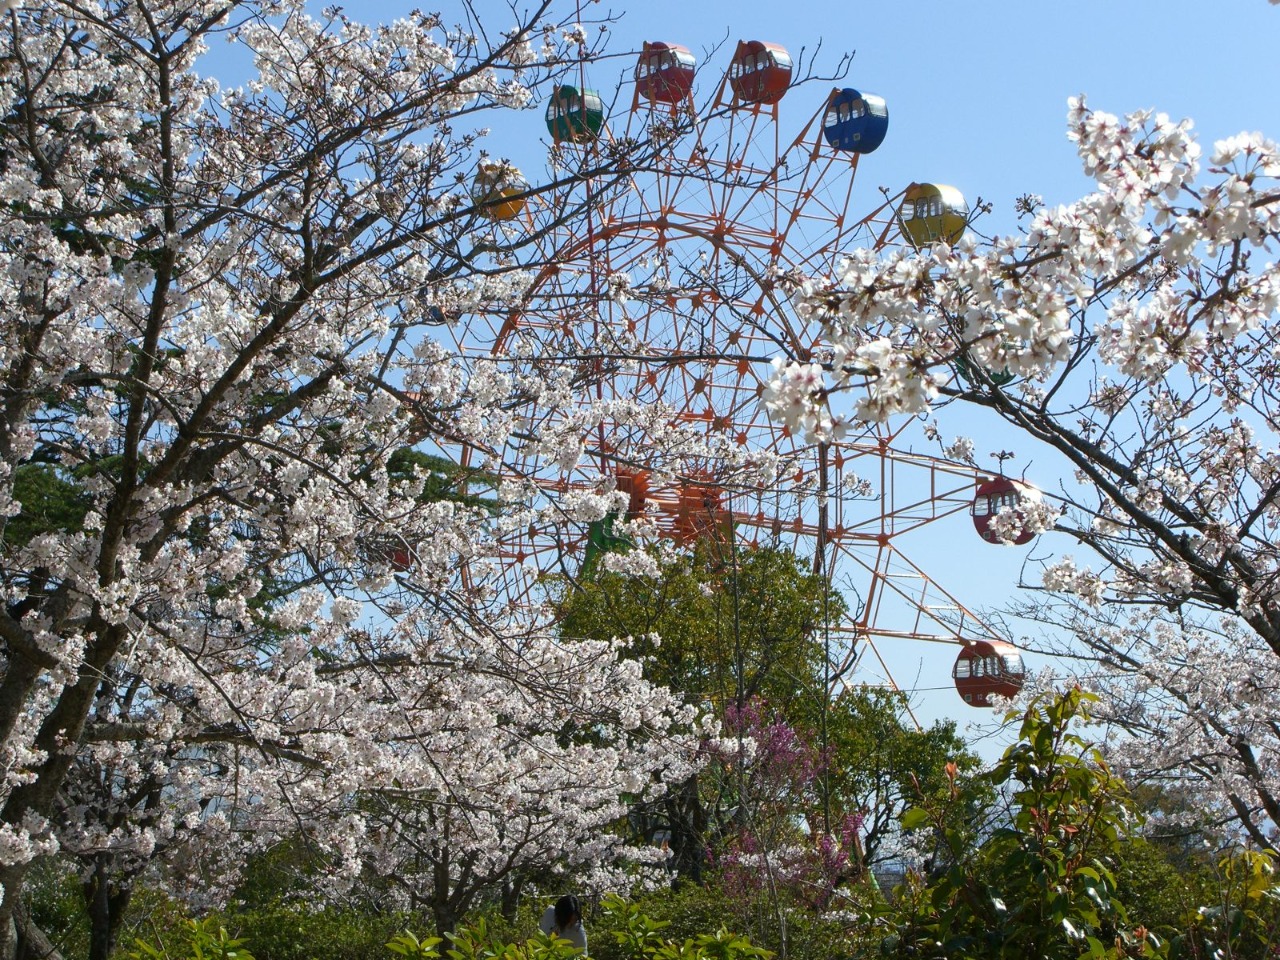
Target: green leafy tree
{"x": 877, "y": 763}
{"x": 721, "y": 628}
{"x": 1160, "y": 887}
{"x": 1037, "y": 882}
{"x": 731, "y": 628}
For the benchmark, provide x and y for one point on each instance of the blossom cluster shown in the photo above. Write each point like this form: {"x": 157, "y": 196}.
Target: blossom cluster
{"x": 252, "y": 526}
{"x": 1131, "y": 337}
{"x": 898, "y": 323}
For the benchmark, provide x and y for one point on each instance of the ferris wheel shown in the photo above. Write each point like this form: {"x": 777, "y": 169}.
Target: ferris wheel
{"x": 665, "y": 298}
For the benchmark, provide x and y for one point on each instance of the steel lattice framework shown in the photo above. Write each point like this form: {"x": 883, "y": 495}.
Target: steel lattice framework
{"x": 707, "y": 237}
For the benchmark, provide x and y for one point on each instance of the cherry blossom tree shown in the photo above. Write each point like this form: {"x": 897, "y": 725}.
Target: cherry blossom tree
{"x": 231, "y": 614}
{"x": 1130, "y": 336}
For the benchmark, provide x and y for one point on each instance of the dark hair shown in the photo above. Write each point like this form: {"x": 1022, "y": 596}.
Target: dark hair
{"x": 567, "y": 908}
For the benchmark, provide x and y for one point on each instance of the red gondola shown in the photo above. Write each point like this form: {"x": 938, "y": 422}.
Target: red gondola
{"x": 391, "y": 551}
{"x": 699, "y": 514}
{"x": 986, "y": 669}
{"x": 995, "y": 495}
{"x": 664, "y": 72}
{"x": 635, "y": 484}
{"x": 760, "y": 72}
{"x": 692, "y": 510}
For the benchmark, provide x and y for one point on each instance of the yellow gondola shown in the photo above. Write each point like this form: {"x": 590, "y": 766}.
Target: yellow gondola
{"x": 933, "y": 212}
{"x": 499, "y": 194}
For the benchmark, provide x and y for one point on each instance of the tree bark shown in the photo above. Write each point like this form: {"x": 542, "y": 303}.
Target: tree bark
{"x": 31, "y": 943}
{"x": 511, "y": 889}
{"x": 688, "y": 822}
{"x": 106, "y": 903}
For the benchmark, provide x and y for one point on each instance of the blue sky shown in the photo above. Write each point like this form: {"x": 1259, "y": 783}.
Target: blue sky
{"x": 977, "y": 98}
{"x": 977, "y": 95}
{"x": 977, "y": 91}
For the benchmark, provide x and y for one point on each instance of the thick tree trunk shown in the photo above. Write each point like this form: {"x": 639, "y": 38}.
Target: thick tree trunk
{"x": 511, "y": 889}
{"x": 444, "y": 916}
{"x": 688, "y": 822}
{"x": 442, "y": 911}
{"x": 11, "y": 880}
{"x": 106, "y": 903}
{"x": 31, "y": 943}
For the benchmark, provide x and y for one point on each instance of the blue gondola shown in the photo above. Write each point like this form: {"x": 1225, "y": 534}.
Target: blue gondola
{"x": 855, "y": 121}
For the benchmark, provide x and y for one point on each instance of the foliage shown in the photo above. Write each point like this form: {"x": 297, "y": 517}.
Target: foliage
{"x": 1243, "y": 918}
{"x": 444, "y": 479}
{"x": 1061, "y": 872}
{"x": 683, "y": 914}
{"x": 299, "y": 931}
{"x": 877, "y": 762}
{"x": 845, "y": 775}
{"x": 731, "y": 632}
{"x": 1038, "y": 881}
{"x": 640, "y": 937}
{"x": 1159, "y": 891}
{"x": 636, "y": 936}
{"x": 204, "y": 940}
{"x": 763, "y": 853}
{"x": 680, "y": 913}
{"x": 56, "y": 905}
{"x": 816, "y": 803}
{"x": 49, "y": 501}
{"x": 408, "y": 945}
{"x": 730, "y": 629}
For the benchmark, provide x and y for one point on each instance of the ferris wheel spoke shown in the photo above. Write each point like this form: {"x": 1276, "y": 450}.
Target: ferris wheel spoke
{"x": 661, "y": 304}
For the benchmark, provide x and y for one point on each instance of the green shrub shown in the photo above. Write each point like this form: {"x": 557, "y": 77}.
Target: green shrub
{"x": 291, "y": 931}
{"x": 1036, "y": 882}
{"x": 691, "y": 910}
{"x": 632, "y": 935}
{"x": 205, "y": 939}
{"x": 1242, "y": 920}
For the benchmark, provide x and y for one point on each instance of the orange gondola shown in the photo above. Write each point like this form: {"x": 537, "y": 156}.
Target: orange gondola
{"x": 634, "y": 482}
{"x": 498, "y": 191}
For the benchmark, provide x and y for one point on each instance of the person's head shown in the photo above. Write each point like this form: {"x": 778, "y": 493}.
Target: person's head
{"x": 568, "y": 911}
